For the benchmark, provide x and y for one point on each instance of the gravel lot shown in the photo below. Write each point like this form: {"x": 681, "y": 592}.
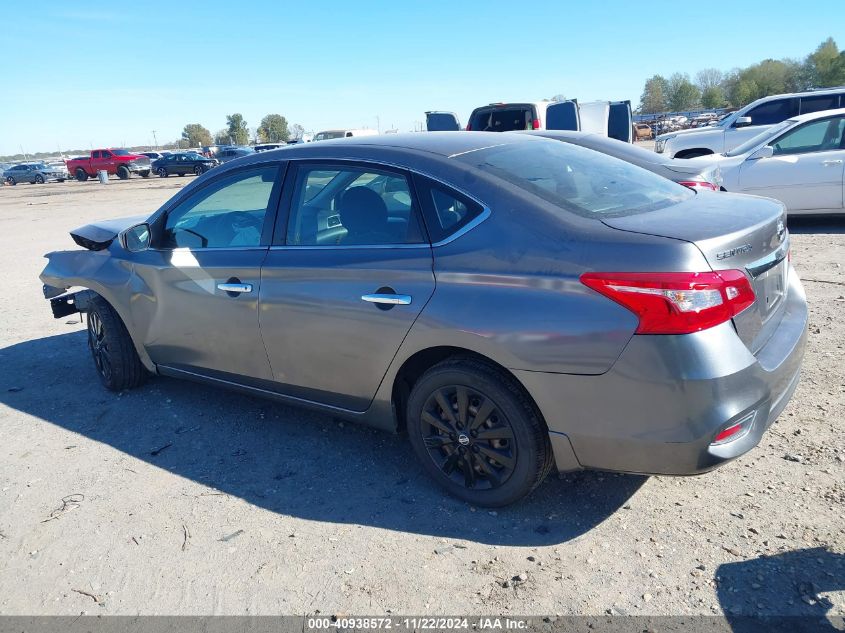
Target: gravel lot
{"x": 183, "y": 499}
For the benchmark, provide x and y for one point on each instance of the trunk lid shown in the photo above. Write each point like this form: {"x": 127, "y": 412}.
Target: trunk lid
{"x": 732, "y": 231}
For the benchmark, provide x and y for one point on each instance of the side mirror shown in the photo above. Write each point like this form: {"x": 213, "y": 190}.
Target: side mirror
{"x": 767, "y": 151}
{"x": 137, "y": 238}
{"x": 742, "y": 121}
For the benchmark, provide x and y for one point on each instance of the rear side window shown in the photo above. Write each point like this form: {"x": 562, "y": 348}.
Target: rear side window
{"x": 576, "y": 179}
{"x": 819, "y": 103}
{"x": 773, "y": 111}
{"x": 446, "y": 211}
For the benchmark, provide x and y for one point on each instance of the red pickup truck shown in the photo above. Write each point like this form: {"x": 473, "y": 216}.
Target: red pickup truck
{"x": 114, "y": 161}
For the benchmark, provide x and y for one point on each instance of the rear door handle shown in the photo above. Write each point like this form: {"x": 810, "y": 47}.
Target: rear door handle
{"x": 388, "y": 299}
{"x": 238, "y": 288}
{"x": 831, "y": 162}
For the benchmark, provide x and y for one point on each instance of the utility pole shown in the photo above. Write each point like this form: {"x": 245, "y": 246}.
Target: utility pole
{"x": 155, "y": 139}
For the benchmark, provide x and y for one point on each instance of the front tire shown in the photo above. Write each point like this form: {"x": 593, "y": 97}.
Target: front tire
{"x": 145, "y": 174}
{"x": 477, "y": 434}
{"x": 39, "y": 179}
{"x": 112, "y": 349}
{"x": 198, "y": 170}
{"x": 123, "y": 173}
{"x": 162, "y": 172}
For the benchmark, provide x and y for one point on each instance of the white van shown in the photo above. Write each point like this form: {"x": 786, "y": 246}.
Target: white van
{"x": 608, "y": 118}
{"x": 328, "y": 134}
{"x": 746, "y": 123}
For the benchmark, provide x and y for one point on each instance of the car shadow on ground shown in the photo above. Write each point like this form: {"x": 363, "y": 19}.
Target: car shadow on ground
{"x": 287, "y": 460}
{"x": 791, "y": 584}
{"x": 826, "y": 225}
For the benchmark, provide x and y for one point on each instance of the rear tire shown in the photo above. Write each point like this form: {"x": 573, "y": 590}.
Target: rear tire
{"x": 123, "y": 173}
{"x": 81, "y": 174}
{"x": 490, "y": 462}
{"x": 112, "y": 349}
{"x": 11, "y": 181}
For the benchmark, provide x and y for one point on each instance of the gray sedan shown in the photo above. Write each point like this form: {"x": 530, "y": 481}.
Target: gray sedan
{"x": 700, "y": 175}
{"x": 514, "y": 304}
{"x": 34, "y": 173}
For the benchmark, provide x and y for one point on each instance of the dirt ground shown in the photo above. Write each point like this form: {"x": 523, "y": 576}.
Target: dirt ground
{"x": 182, "y": 499}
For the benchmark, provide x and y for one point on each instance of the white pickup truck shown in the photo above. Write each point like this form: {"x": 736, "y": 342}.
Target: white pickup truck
{"x": 746, "y": 123}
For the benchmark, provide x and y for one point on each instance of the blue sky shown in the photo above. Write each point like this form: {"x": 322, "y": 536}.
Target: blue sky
{"x": 108, "y": 76}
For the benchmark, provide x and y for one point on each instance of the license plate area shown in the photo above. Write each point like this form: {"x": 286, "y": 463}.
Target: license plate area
{"x": 771, "y": 289}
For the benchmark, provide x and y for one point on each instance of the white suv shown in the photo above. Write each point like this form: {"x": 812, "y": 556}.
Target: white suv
{"x": 746, "y": 123}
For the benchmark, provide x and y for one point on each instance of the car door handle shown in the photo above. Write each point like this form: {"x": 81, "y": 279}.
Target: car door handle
{"x": 394, "y": 300}
{"x": 238, "y": 288}
{"x": 831, "y": 162}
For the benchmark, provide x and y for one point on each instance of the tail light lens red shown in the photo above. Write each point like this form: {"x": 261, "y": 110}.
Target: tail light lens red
{"x": 469, "y": 127}
{"x": 698, "y": 184}
{"x": 676, "y": 303}
{"x": 535, "y": 124}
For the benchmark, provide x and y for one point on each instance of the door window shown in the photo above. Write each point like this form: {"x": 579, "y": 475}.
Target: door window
{"x": 225, "y": 214}
{"x": 815, "y": 136}
{"x": 351, "y": 206}
{"x": 562, "y": 116}
{"x": 773, "y": 111}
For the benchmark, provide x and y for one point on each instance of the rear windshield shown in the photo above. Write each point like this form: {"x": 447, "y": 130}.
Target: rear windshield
{"x": 504, "y": 119}
{"x": 576, "y": 179}
{"x": 441, "y": 122}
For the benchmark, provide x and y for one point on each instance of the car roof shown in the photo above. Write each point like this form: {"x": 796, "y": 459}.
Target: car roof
{"x": 821, "y": 114}
{"x": 440, "y": 143}
{"x": 805, "y": 93}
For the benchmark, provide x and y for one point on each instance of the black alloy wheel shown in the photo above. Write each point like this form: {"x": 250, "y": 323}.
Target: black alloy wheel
{"x": 99, "y": 346}
{"x": 468, "y": 437}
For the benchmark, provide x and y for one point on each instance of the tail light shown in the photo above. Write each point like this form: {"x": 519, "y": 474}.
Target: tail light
{"x": 535, "y": 124}
{"x": 676, "y": 303}
{"x": 698, "y": 184}
{"x": 469, "y": 127}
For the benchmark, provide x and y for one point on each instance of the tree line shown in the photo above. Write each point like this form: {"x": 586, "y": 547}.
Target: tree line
{"x": 274, "y": 128}
{"x": 712, "y": 88}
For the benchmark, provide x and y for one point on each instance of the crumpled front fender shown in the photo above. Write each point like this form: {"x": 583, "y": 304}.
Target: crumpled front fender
{"x": 110, "y": 277}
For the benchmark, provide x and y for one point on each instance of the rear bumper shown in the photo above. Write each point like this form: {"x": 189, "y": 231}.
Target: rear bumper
{"x": 657, "y": 410}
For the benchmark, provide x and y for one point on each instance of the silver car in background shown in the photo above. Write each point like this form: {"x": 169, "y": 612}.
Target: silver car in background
{"x": 698, "y": 175}
{"x": 514, "y": 304}
{"x": 35, "y": 173}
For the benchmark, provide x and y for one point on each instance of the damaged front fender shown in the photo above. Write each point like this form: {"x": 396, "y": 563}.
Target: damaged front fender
{"x": 96, "y": 271}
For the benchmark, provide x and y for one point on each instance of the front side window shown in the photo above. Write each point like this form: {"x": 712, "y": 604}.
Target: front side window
{"x": 96, "y": 154}
{"x": 816, "y": 136}
{"x": 576, "y": 179}
{"x": 773, "y": 111}
{"x": 351, "y": 206}
{"x": 228, "y": 213}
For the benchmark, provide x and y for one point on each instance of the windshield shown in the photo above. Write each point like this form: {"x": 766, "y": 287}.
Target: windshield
{"x": 577, "y": 179}
{"x": 760, "y": 138}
